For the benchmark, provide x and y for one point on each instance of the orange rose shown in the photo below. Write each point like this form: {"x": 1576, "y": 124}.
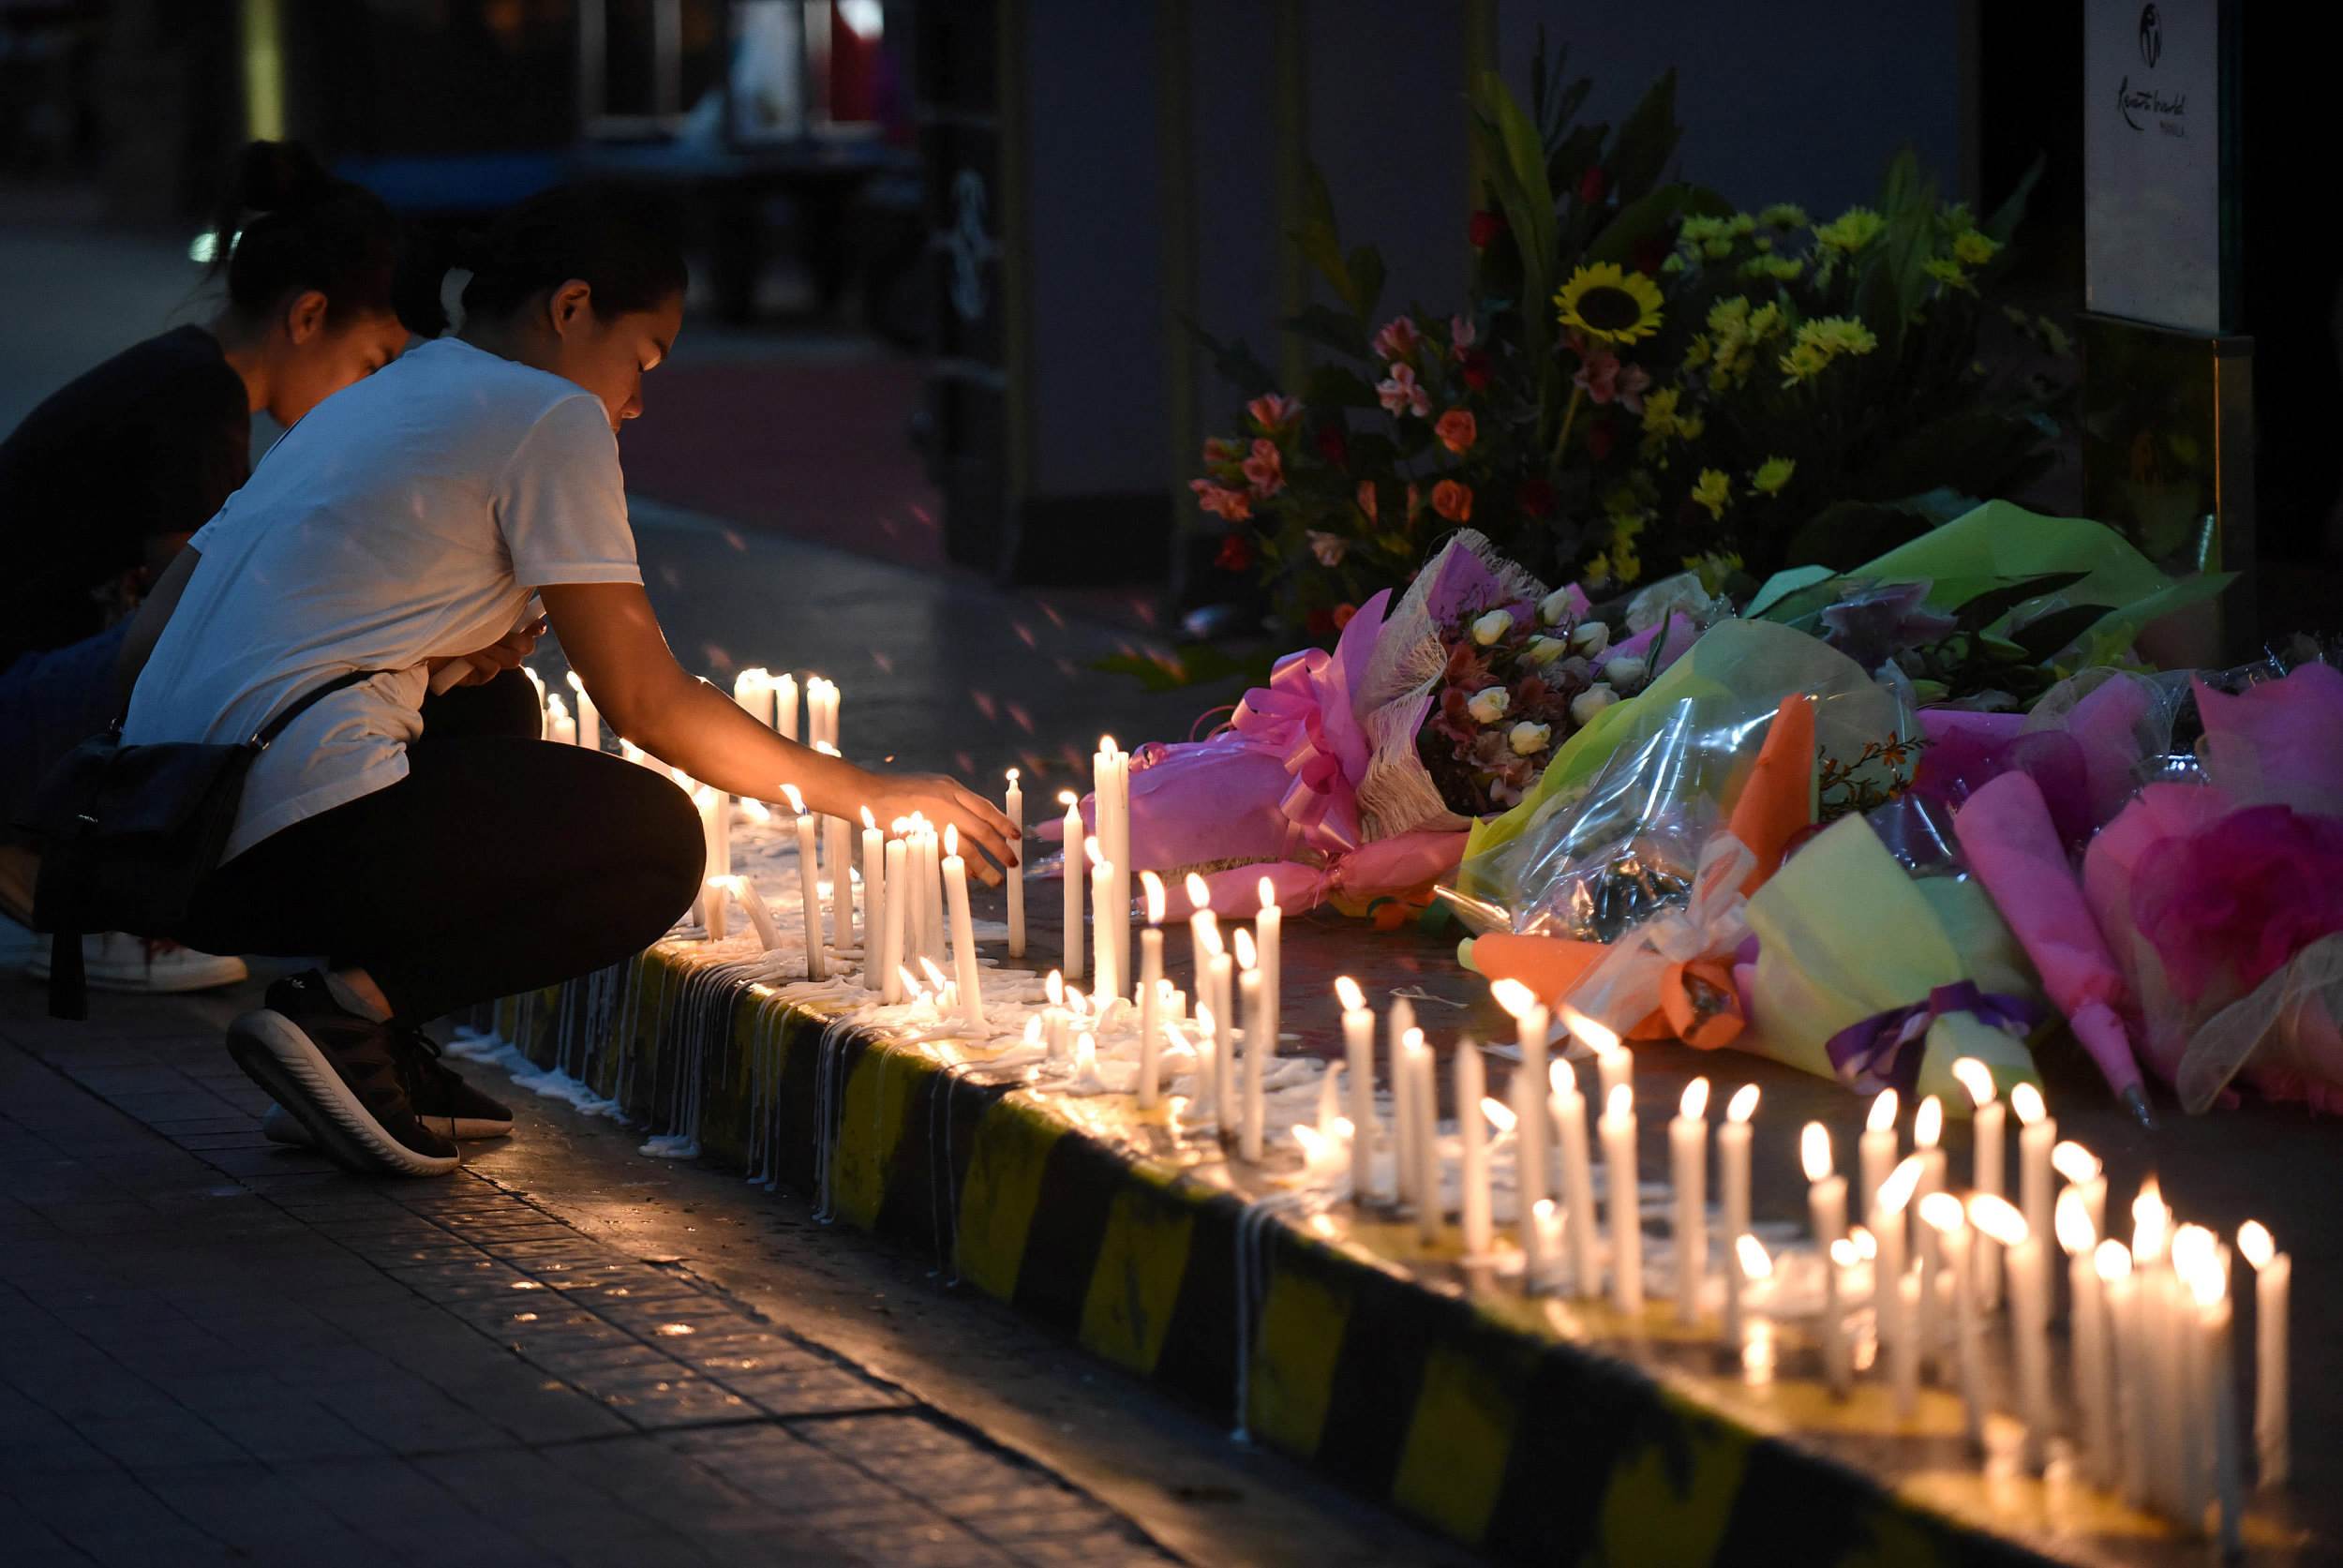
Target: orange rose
{"x": 1452, "y": 500}
{"x": 1457, "y": 431}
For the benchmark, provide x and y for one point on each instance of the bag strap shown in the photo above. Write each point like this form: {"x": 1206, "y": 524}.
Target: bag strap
{"x": 278, "y": 725}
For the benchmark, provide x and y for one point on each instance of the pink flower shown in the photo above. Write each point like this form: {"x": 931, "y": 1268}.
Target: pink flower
{"x": 1400, "y": 394}
{"x": 1220, "y": 453}
{"x": 1273, "y": 412}
{"x": 1457, "y": 431}
{"x": 1233, "y": 506}
{"x": 1398, "y": 339}
{"x": 1366, "y": 499}
{"x": 1462, "y": 333}
{"x": 1605, "y": 380}
{"x": 1265, "y": 469}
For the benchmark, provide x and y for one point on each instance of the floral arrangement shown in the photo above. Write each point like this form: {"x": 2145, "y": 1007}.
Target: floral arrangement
{"x": 1643, "y": 381}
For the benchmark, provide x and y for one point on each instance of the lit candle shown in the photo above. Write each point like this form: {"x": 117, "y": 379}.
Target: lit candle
{"x": 715, "y": 833}
{"x": 1268, "y": 929}
{"x": 821, "y": 712}
{"x": 784, "y": 717}
{"x": 560, "y": 726}
{"x": 2273, "y": 1273}
{"x": 1895, "y": 1306}
{"x": 1076, "y": 858}
{"x": 1985, "y": 1139}
{"x": 2228, "y": 1467}
{"x": 1928, "y": 1131}
{"x": 1688, "y": 1164}
{"x": 1423, "y": 1180}
{"x": 873, "y": 902}
{"x": 1949, "y": 1221}
{"x": 1358, "y": 1055}
{"x": 1876, "y": 1151}
{"x": 2128, "y": 1458}
{"x": 2152, "y": 1436}
{"x": 815, "y": 969}
{"x": 970, "y": 976}
{"x": 1221, "y": 970}
{"x": 1733, "y": 1158}
{"x": 2085, "y": 1177}
{"x": 1106, "y": 978}
{"x": 588, "y": 716}
{"x": 1617, "y": 1130}
{"x": 1838, "y": 1357}
{"x": 2029, "y": 1293}
{"x": 1570, "y": 1120}
{"x": 1473, "y": 1133}
{"x": 1015, "y": 809}
{"x": 931, "y": 891}
{"x": 1396, "y": 1024}
{"x": 538, "y": 683}
{"x": 712, "y": 896}
{"x": 1826, "y": 1213}
{"x": 1614, "y": 1067}
{"x": 1747, "y": 1267}
{"x": 1531, "y": 1141}
{"x": 1546, "y": 1224}
{"x": 1207, "y": 1062}
{"x": 753, "y": 689}
{"x": 2078, "y": 1235}
{"x": 2037, "y": 1133}
{"x": 1151, "y": 990}
{"x": 2194, "y": 1264}
{"x": 1249, "y": 985}
{"x": 896, "y": 905}
{"x": 1532, "y": 1129}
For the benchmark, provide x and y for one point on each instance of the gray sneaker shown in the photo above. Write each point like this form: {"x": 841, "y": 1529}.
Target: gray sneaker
{"x": 349, "y": 1080}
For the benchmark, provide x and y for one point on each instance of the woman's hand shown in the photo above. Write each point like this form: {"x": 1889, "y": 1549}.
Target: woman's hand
{"x": 487, "y": 664}
{"x": 945, "y": 802}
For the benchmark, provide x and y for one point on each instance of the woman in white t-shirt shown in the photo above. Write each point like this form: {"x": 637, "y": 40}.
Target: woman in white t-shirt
{"x": 405, "y": 534}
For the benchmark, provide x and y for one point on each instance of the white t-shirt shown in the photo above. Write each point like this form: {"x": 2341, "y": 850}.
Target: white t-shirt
{"x": 410, "y": 516}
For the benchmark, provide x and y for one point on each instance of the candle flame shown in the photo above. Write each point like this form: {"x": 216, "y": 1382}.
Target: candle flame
{"x": 1097, "y": 859}
{"x": 1199, "y": 893}
{"x": 1897, "y": 1190}
{"x": 1068, "y": 798}
{"x": 1352, "y": 998}
{"x": 1865, "y": 1244}
{"x": 1086, "y": 1052}
{"x": 826, "y": 749}
{"x": 1743, "y": 1105}
{"x": 1620, "y": 1107}
{"x": 1998, "y": 1217}
{"x": 754, "y": 811}
{"x": 912, "y": 987}
{"x": 2151, "y": 1222}
{"x": 1054, "y": 986}
{"x": 1107, "y": 746}
{"x": 1514, "y": 997}
{"x": 951, "y": 841}
{"x": 1598, "y": 1036}
{"x": 2027, "y": 1100}
{"x": 1310, "y": 1139}
{"x": 869, "y": 823}
{"x": 555, "y": 706}
{"x": 796, "y": 802}
{"x": 1246, "y": 957}
{"x": 1013, "y": 775}
{"x": 2071, "y": 1219}
{"x": 1032, "y": 1029}
{"x": 1207, "y": 1027}
{"x": 1562, "y": 1079}
{"x": 2113, "y": 1261}
{"x": 1941, "y": 1212}
{"x": 1844, "y": 1253}
{"x": 2073, "y": 1161}
{"x": 1883, "y": 1112}
{"x": 1751, "y": 1253}
{"x": 2254, "y": 1243}
{"x": 1813, "y": 1151}
{"x": 1928, "y": 1124}
{"x": 1501, "y": 1115}
{"x": 575, "y": 684}
{"x": 1152, "y": 885}
{"x": 1694, "y": 1105}
{"x": 2193, "y": 1250}
{"x": 1268, "y": 895}
{"x": 2209, "y": 1284}
{"x": 1975, "y": 1077}
{"x": 936, "y": 975}
{"x": 1411, "y": 1042}
{"x": 1545, "y": 1211}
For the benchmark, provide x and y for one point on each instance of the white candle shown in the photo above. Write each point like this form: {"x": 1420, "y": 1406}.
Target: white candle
{"x": 1747, "y": 1265}
{"x": 1422, "y": 1138}
{"x": 1688, "y": 1165}
{"x": 1358, "y": 1055}
{"x": 2228, "y": 1467}
{"x": 2130, "y": 1458}
{"x": 2037, "y": 1133}
{"x": 896, "y": 905}
{"x": 1077, "y": 857}
{"x": 2273, "y": 1273}
{"x": 1207, "y": 1029}
{"x": 712, "y": 896}
{"x": 815, "y": 968}
{"x": 1537, "y": 1236}
{"x": 2078, "y": 1238}
{"x": 538, "y": 683}
{"x": 2195, "y": 1266}
{"x": 1948, "y": 1220}
{"x": 1986, "y": 1172}
{"x": 1473, "y": 1133}
{"x": 1014, "y": 807}
{"x": 2085, "y": 1177}
{"x": 1614, "y": 1070}
{"x": 837, "y": 851}
{"x": 1570, "y": 1120}
{"x": 1876, "y": 1151}
{"x": 2029, "y": 1293}
{"x": 2153, "y": 1363}
{"x": 1396, "y": 1024}
{"x": 931, "y": 888}
{"x": 1618, "y": 1128}
{"x": 560, "y": 726}
{"x": 784, "y": 717}
{"x": 760, "y": 918}
{"x": 1733, "y": 1140}
{"x": 1268, "y": 930}
{"x": 1826, "y": 1213}
{"x": 1894, "y": 1306}
{"x": 588, "y": 716}
{"x": 1106, "y": 978}
{"x": 1151, "y": 992}
{"x": 1248, "y": 986}
{"x": 1928, "y": 1131}
{"x": 1531, "y": 1141}
{"x": 965, "y": 969}
{"x": 1546, "y": 1224}
{"x": 873, "y": 902}
{"x": 713, "y": 833}
{"x": 1838, "y": 1359}
{"x": 753, "y": 689}
{"x": 821, "y": 712}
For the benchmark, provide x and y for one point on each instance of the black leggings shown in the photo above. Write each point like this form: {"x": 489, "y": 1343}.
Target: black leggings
{"x": 500, "y": 863}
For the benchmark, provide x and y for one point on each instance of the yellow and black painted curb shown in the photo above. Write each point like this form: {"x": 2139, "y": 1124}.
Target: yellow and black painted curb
{"x": 1497, "y": 1431}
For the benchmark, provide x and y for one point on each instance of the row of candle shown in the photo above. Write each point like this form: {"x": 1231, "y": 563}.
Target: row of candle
{"x": 772, "y": 701}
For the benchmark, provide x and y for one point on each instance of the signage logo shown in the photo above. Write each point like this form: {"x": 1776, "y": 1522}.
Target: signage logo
{"x": 2151, "y": 36}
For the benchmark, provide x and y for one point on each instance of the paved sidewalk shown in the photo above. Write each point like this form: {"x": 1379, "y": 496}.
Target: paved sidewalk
{"x": 211, "y": 1349}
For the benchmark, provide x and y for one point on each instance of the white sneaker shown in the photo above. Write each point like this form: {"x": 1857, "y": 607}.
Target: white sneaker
{"x": 116, "y": 960}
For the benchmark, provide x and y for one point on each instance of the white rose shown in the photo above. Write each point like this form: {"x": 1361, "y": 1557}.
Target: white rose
{"x": 1489, "y": 704}
{"x": 1587, "y": 704}
{"x": 1626, "y": 672}
{"x": 1491, "y": 628}
{"x": 1590, "y": 638}
{"x": 1554, "y": 607}
{"x": 1545, "y": 651}
{"x": 1529, "y": 739}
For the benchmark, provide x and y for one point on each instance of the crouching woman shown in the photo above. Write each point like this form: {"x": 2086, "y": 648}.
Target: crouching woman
{"x": 405, "y": 538}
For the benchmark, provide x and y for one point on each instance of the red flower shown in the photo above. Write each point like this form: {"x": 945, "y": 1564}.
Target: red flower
{"x": 1342, "y": 614}
{"x": 1334, "y": 444}
{"x": 1485, "y": 229}
{"x": 1535, "y": 497}
{"x": 1457, "y": 431}
{"x": 1650, "y": 253}
{"x": 1452, "y": 500}
{"x": 1591, "y": 185}
{"x": 1236, "y": 553}
{"x": 1476, "y": 369}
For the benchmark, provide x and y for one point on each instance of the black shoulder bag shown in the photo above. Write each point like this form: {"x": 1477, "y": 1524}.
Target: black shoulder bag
{"x": 127, "y": 833}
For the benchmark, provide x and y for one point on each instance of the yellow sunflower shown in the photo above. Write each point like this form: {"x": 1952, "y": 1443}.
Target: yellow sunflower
{"x": 1610, "y": 304}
